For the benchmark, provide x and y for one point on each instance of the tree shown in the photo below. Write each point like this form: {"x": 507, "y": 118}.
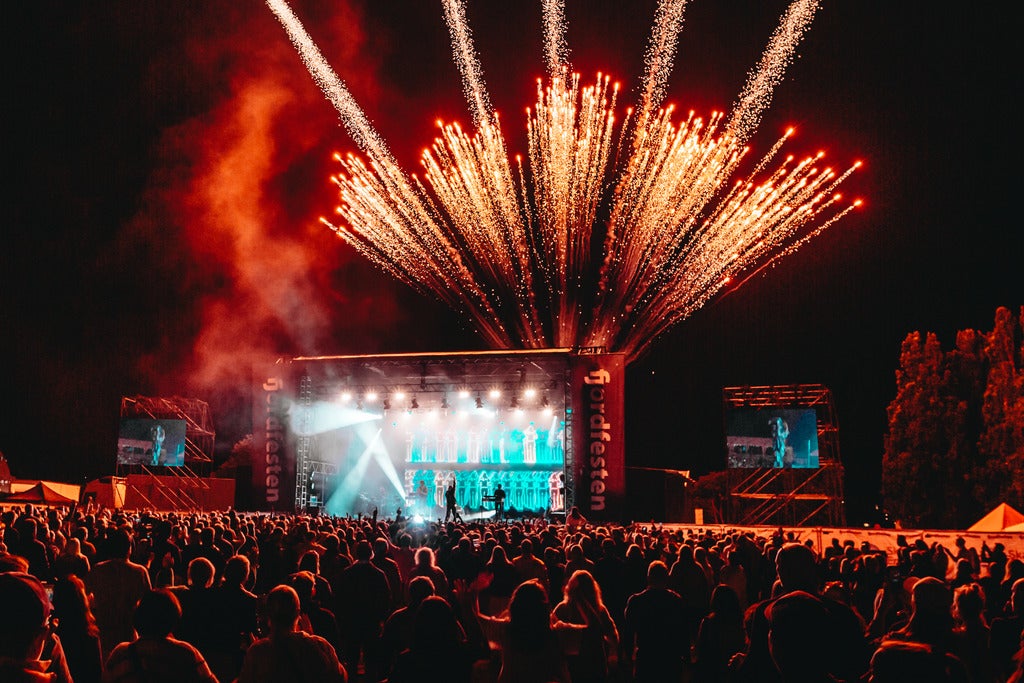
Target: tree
{"x": 1001, "y": 444}
{"x": 956, "y": 427}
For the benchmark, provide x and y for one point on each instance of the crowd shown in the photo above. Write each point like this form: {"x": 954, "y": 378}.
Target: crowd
{"x": 116, "y": 596}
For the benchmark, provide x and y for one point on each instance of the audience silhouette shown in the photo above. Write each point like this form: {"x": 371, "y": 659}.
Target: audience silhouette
{"x": 254, "y": 597}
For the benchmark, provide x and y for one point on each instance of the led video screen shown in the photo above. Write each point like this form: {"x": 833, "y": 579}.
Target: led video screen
{"x": 407, "y": 459}
{"x": 154, "y": 443}
{"x": 771, "y": 437}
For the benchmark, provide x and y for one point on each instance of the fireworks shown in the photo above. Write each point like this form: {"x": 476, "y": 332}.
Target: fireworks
{"x": 614, "y": 231}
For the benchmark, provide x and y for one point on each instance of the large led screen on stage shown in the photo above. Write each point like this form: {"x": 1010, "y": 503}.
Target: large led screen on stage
{"x": 771, "y": 437}
{"x": 407, "y": 458}
{"x": 151, "y": 442}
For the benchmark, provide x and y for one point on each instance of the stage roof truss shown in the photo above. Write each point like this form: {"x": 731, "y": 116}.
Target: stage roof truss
{"x": 432, "y": 377}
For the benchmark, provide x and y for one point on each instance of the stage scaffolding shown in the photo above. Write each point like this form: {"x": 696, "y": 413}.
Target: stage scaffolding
{"x": 182, "y": 491}
{"x": 789, "y": 496}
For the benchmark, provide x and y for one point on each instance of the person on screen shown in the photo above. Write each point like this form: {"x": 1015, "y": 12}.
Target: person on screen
{"x": 157, "y": 435}
{"x": 780, "y": 432}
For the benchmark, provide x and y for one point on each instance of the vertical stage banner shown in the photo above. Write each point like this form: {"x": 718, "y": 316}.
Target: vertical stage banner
{"x": 598, "y": 422}
{"x": 273, "y": 469}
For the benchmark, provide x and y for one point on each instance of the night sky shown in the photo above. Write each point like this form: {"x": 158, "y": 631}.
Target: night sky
{"x": 167, "y": 163}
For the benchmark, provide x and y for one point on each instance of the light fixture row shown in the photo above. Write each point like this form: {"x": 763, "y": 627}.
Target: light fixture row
{"x": 517, "y": 399}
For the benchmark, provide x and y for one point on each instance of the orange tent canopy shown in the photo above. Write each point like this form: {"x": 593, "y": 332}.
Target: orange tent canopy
{"x": 1001, "y": 517}
{"x": 43, "y": 495}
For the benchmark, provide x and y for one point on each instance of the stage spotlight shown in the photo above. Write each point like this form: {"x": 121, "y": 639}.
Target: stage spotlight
{"x": 479, "y": 403}
{"x": 346, "y": 396}
{"x": 544, "y": 401}
{"x": 530, "y": 393}
{"x": 371, "y": 396}
{"x": 463, "y": 393}
{"x": 399, "y": 395}
{"x": 415, "y": 404}
{"x": 514, "y": 403}
{"x": 495, "y": 393}
{"x": 444, "y": 402}
{"x": 387, "y": 404}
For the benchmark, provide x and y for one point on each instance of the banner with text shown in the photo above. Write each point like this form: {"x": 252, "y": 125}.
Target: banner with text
{"x": 273, "y": 467}
{"x": 598, "y": 429}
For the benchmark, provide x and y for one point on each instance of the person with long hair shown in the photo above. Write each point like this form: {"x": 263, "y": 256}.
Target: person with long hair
{"x": 426, "y": 565}
{"x": 71, "y": 560}
{"x": 582, "y": 604}
{"x": 527, "y": 638}
{"x": 720, "y": 635}
{"x": 76, "y": 627}
{"x": 972, "y": 633}
{"x": 504, "y": 579}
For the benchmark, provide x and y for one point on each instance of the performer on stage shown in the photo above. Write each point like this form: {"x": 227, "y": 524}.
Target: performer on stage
{"x": 421, "y": 499}
{"x": 451, "y": 507}
{"x": 499, "y": 503}
{"x": 530, "y": 444}
{"x": 780, "y": 432}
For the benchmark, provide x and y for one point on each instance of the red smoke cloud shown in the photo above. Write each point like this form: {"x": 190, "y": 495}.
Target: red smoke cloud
{"x": 239, "y": 188}
{"x": 230, "y": 217}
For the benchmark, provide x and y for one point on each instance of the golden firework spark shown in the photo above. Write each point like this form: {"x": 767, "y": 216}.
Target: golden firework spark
{"x": 614, "y": 231}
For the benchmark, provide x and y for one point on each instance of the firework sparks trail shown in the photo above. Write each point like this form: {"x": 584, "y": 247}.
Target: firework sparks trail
{"x": 570, "y": 136}
{"x": 467, "y": 61}
{"x": 660, "y": 55}
{"x": 757, "y": 94}
{"x": 352, "y": 116}
{"x": 616, "y": 231}
{"x": 556, "y": 50}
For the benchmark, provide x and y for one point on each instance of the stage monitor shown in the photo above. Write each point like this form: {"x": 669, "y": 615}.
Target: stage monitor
{"x": 151, "y": 442}
{"x": 771, "y": 437}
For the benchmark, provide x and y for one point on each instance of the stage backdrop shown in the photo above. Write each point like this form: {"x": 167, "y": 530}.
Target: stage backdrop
{"x": 598, "y": 435}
